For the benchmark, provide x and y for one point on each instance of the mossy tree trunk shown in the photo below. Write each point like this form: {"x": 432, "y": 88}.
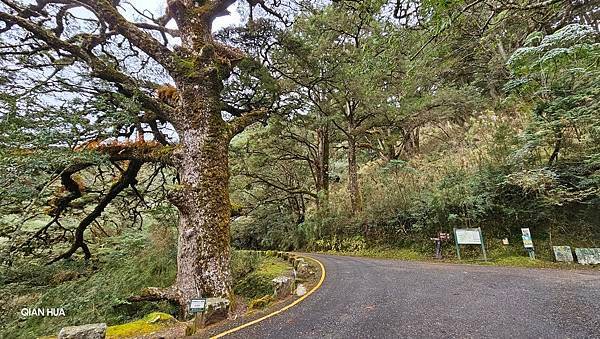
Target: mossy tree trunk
{"x": 203, "y": 197}
{"x": 202, "y": 159}
{"x": 199, "y": 68}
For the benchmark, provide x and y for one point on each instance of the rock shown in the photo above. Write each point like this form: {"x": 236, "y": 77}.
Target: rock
{"x": 300, "y": 290}
{"x": 588, "y": 256}
{"x": 563, "y": 253}
{"x": 303, "y": 270}
{"x": 217, "y": 309}
{"x": 283, "y": 286}
{"x": 298, "y": 262}
{"x": 90, "y": 331}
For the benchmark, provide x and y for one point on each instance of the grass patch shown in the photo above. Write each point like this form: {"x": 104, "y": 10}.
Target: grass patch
{"x": 89, "y": 293}
{"x": 523, "y": 262}
{"x": 504, "y": 257}
{"x": 151, "y": 323}
{"x": 386, "y": 253}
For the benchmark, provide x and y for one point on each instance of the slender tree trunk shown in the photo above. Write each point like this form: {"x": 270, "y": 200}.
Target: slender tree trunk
{"x": 353, "y": 188}
{"x": 411, "y": 143}
{"x": 557, "y": 146}
{"x": 203, "y": 196}
{"x": 323, "y": 165}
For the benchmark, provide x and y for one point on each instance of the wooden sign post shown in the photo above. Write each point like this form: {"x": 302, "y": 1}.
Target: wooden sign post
{"x": 441, "y": 236}
{"x": 197, "y": 308}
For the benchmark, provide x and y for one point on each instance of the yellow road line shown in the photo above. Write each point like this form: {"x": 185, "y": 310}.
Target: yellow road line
{"x": 235, "y": 329}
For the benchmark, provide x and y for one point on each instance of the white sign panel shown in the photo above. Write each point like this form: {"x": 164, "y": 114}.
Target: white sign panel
{"x": 468, "y": 236}
{"x": 526, "y": 235}
{"x": 197, "y": 305}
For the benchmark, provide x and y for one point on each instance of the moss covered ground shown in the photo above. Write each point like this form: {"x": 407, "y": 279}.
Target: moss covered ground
{"x": 151, "y": 323}
{"x": 257, "y": 284}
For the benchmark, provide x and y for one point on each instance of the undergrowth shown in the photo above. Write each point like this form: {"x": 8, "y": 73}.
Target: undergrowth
{"x": 97, "y": 291}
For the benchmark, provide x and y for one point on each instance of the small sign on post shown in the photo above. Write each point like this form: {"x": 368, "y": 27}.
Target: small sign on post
{"x": 438, "y": 243}
{"x": 528, "y": 242}
{"x": 197, "y": 305}
{"x": 469, "y": 236}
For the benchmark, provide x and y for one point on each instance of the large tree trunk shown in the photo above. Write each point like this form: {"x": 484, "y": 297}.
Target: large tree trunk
{"x": 203, "y": 198}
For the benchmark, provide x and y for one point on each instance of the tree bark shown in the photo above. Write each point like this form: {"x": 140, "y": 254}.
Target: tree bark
{"x": 557, "y": 146}
{"x": 411, "y": 144}
{"x": 353, "y": 188}
{"x": 323, "y": 165}
{"x": 203, "y": 196}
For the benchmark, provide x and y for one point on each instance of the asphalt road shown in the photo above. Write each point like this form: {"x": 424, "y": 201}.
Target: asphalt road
{"x": 373, "y": 298}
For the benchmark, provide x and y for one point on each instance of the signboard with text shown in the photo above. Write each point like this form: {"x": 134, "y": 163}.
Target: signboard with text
{"x": 588, "y": 256}
{"x": 197, "y": 305}
{"x": 526, "y": 235}
{"x": 469, "y": 236}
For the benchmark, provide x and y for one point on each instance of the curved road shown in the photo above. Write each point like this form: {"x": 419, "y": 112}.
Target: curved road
{"x": 374, "y": 298}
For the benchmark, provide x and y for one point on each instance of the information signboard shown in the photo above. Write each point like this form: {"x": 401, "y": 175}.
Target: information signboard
{"x": 588, "y": 256}
{"x": 526, "y": 235}
{"x": 469, "y": 236}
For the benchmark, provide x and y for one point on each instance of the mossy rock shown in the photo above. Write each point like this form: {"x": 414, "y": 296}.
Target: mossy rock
{"x": 258, "y": 283}
{"x": 151, "y": 323}
{"x": 260, "y": 302}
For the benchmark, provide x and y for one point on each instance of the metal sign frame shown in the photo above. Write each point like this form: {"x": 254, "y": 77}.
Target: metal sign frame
{"x": 480, "y": 237}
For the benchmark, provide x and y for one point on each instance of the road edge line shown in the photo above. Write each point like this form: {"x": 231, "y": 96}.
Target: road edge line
{"x": 297, "y": 301}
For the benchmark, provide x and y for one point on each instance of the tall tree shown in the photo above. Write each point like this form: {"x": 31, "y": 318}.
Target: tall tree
{"x": 97, "y": 39}
{"x": 342, "y": 60}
